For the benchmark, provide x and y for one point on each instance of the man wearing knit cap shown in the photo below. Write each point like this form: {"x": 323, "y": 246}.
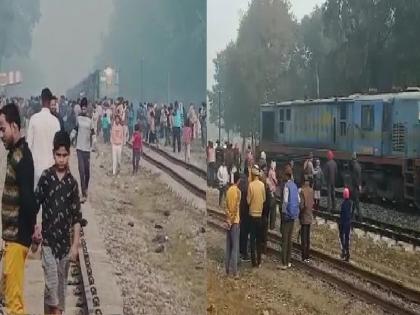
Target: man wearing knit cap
{"x": 330, "y": 177}
{"x": 256, "y": 198}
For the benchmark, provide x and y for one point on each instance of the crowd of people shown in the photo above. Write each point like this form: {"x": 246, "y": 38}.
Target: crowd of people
{"x": 253, "y": 192}
{"x": 38, "y": 175}
{"x": 173, "y": 126}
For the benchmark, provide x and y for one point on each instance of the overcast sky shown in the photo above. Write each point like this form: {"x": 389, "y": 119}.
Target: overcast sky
{"x": 223, "y": 22}
{"x": 67, "y": 39}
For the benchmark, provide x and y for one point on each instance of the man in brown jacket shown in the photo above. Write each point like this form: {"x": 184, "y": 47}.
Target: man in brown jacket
{"x": 305, "y": 217}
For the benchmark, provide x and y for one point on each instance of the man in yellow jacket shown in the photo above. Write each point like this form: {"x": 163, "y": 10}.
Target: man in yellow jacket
{"x": 233, "y": 200}
{"x": 256, "y": 198}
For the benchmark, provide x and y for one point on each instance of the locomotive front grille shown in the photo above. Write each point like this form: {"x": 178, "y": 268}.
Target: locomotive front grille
{"x": 398, "y": 137}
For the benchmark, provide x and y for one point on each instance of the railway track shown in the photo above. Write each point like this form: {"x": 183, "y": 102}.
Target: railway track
{"x": 81, "y": 281}
{"x": 393, "y": 296}
{"x": 391, "y": 231}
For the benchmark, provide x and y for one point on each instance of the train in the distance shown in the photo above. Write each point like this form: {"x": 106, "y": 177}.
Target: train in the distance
{"x": 383, "y": 129}
{"x": 97, "y": 85}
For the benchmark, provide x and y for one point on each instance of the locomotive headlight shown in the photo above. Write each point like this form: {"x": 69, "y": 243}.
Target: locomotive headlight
{"x": 109, "y": 71}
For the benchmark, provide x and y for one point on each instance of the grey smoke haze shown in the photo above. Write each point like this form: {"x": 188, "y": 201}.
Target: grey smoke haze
{"x": 67, "y": 40}
{"x": 223, "y": 21}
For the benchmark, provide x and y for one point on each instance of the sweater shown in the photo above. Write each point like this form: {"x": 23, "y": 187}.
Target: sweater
{"x": 233, "y": 200}
{"x": 256, "y": 198}
{"x": 18, "y": 202}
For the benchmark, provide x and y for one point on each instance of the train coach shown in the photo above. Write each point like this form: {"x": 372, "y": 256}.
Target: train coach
{"x": 383, "y": 129}
{"x": 97, "y": 85}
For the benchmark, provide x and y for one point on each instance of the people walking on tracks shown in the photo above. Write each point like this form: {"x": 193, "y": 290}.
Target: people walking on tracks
{"x": 137, "y": 145}
{"x": 288, "y": 169}
{"x": 229, "y": 159}
{"x": 176, "y": 129}
{"x": 131, "y": 120}
{"x": 219, "y": 154}
{"x": 345, "y": 225}
{"x": 265, "y": 217}
{"x": 203, "y": 123}
{"x": 272, "y": 184}
{"x": 18, "y": 208}
{"x": 106, "y": 126}
{"x": 263, "y": 160}
{"x": 117, "y": 139}
{"x": 233, "y": 200}
{"x": 223, "y": 179}
{"x": 187, "y": 134}
{"x": 306, "y": 217}
{"x": 256, "y": 198}
{"x": 58, "y": 193}
{"x": 356, "y": 186}
{"x": 40, "y": 135}
{"x": 330, "y": 177}
{"x": 249, "y": 157}
{"x": 95, "y": 118}
{"x": 168, "y": 125}
{"x": 83, "y": 132}
{"x": 317, "y": 184}
{"x": 245, "y": 218}
{"x": 290, "y": 212}
{"x": 308, "y": 168}
{"x": 237, "y": 157}
{"x": 211, "y": 164}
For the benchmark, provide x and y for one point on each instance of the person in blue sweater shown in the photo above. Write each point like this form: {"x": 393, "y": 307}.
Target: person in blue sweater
{"x": 345, "y": 225}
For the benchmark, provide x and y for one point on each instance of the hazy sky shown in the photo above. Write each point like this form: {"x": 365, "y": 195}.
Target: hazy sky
{"x": 223, "y": 22}
{"x": 67, "y": 39}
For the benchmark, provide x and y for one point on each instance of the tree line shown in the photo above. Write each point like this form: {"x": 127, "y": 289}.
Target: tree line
{"x": 342, "y": 47}
{"x": 163, "y": 42}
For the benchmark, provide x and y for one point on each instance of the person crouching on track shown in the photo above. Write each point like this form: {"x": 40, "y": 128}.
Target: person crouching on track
{"x": 345, "y": 225}
{"x": 290, "y": 213}
{"x": 223, "y": 179}
{"x": 57, "y": 192}
{"x": 137, "y": 144}
{"x": 233, "y": 200}
{"x": 256, "y": 198}
{"x": 305, "y": 217}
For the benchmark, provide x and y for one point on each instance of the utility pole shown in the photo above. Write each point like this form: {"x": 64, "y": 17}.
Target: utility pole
{"x": 141, "y": 80}
{"x": 220, "y": 92}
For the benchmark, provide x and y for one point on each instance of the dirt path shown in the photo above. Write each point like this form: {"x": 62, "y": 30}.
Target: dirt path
{"x": 270, "y": 291}
{"x": 391, "y": 262}
{"x": 154, "y": 239}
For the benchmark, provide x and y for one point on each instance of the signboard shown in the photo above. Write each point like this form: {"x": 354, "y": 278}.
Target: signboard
{"x": 10, "y": 78}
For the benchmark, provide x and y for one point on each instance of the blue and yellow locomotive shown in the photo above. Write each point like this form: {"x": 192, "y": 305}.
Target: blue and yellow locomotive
{"x": 383, "y": 129}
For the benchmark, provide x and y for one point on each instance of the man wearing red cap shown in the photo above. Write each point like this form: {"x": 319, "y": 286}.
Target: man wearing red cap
{"x": 330, "y": 177}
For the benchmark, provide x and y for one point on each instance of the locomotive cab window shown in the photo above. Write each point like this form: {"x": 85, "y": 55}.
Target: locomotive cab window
{"x": 284, "y": 116}
{"x": 343, "y": 129}
{"x": 288, "y": 114}
{"x": 343, "y": 112}
{"x": 368, "y": 119}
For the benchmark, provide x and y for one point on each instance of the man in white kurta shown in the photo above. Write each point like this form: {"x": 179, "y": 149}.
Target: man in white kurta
{"x": 40, "y": 135}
